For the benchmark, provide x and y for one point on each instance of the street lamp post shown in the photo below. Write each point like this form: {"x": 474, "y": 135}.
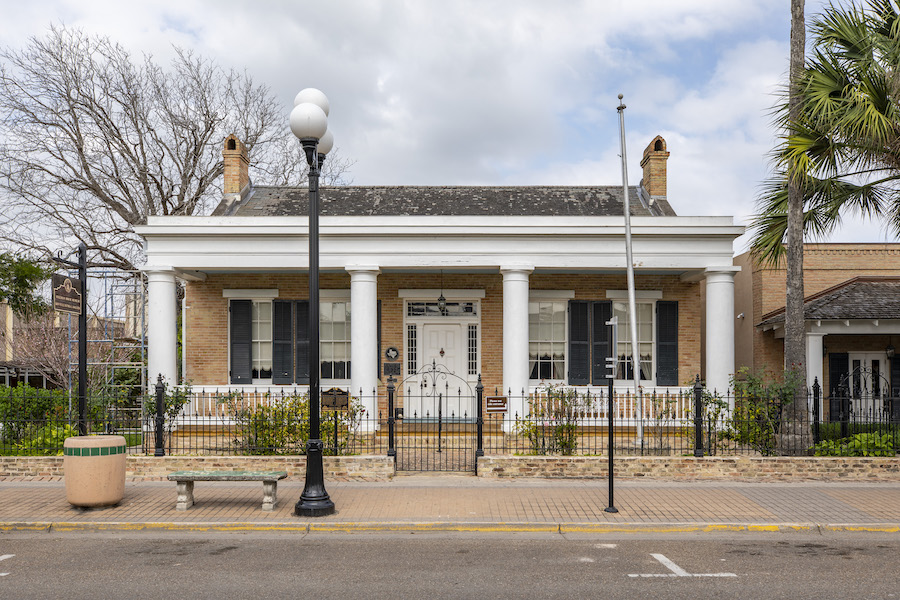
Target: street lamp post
{"x": 309, "y": 122}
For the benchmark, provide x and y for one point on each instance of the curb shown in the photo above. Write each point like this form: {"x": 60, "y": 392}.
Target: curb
{"x": 441, "y": 526}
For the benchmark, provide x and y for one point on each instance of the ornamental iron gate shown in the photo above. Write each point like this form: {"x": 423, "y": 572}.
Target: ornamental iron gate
{"x": 445, "y": 435}
{"x": 863, "y": 396}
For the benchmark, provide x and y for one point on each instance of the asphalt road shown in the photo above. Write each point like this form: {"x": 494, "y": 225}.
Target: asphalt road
{"x": 198, "y": 566}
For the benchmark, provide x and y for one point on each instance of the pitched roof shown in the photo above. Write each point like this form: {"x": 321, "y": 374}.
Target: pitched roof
{"x": 446, "y": 200}
{"x": 857, "y": 298}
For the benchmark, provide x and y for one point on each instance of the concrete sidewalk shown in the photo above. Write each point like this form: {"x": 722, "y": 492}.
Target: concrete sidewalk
{"x": 444, "y": 503}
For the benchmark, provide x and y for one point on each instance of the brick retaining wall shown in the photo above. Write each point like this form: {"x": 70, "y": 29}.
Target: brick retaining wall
{"x": 714, "y": 468}
{"x": 150, "y": 467}
{"x": 382, "y": 467}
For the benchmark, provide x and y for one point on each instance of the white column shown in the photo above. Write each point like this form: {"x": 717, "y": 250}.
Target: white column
{"x": 815, "y": 359}
{"x": 161, "y": 326}
{"x": 364, "y": 335}
{"x": 515, "y": 335}
{"x": 720, "y": 329}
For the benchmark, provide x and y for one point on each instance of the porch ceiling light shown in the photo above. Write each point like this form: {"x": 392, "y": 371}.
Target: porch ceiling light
{"x": 889, "y": 351}
{"x": 442, "y": 302}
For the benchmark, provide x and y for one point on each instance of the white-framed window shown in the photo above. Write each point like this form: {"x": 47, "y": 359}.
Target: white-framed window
{"x": 261, "y": 340}
{"x": 644, "y": 311}
{"x": 268, "y": 337}
{"x": 547, "y": 340}
{"x": 334, "y": 340}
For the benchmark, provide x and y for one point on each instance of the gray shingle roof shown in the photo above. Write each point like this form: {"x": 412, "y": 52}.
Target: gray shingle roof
{"x": 858, "y": 298}
{"x": 445, "y": 200}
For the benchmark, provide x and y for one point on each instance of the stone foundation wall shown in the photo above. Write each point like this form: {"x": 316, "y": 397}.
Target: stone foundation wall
{"x": 633, "y": 467}
{"x": 686, "y": 468}
{"x": 150, "y": 467}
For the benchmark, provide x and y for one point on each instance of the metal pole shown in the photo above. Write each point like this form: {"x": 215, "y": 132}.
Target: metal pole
{"x": 160, "y": 418}
{"x": 440, "y": 399}
{"x": 390, "y": 391}
{"x": 82, "y": 342}
{"x": 314, "y": 501}
{"x": 479, "y": 420}
{"x": 635, "y": 351}
{"x": 609, "y": 390}
{"x": 698, "y": 418}
{"x": 817, "y": 395}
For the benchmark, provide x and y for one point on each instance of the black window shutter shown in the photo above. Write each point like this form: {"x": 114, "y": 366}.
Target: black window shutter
{"x": 579, "y": 343}
{"x": 301, "y": 339}
{"x": 895, "y": 378}
{"x": 838, "y": 372}
{"x": 666, "y": 342}
{"x": 282, "y": 343}
{"x": 601, "y": 312}
{"x": 838, "y": 384}
{"x": 241, "y": 330}
{"x": 378, "y": 348}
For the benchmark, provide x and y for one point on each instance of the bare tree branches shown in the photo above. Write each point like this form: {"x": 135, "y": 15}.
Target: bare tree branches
{"x": 93, "y": 141}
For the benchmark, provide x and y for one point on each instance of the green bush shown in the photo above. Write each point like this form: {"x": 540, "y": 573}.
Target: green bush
{"x": 46, "y": 441}
{"x": 551, "y": 425}
{"x": 276, "y": 426}
{"x": 860, "y": 444}
{"x": 758, "y": 405}
{"x": 24, "y": 408}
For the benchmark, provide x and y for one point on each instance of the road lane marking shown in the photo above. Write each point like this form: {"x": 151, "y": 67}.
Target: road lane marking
{"x": 4, "y": 557}
{"x": 676, "y": 570}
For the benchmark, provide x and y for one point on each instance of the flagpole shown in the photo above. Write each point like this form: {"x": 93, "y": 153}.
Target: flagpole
{"x": 632, "y": 309}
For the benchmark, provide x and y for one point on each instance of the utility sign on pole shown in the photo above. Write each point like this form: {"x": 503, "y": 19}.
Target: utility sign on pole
{"x": 67, "y": 292}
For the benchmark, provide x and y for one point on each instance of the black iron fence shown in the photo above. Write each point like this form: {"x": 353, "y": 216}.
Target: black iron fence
{"x": 556, "y": 421}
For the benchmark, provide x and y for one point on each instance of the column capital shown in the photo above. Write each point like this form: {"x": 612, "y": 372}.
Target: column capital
{"x": 516, "y": 271}
{"x": 721, "y": 272}
{"x": 353, "y": 269}
{"x": 159, "y": 272}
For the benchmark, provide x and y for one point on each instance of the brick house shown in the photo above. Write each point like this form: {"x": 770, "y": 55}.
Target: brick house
{"x": 528, "y": 275}
{"x": 852, "y": 313}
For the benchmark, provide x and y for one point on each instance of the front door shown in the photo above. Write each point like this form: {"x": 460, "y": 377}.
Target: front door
{"x": 439, "y": 389}
{"x": 867, "y": 383}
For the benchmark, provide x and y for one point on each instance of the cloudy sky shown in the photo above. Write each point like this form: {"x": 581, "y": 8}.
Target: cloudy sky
{"x": 496, "y": 92}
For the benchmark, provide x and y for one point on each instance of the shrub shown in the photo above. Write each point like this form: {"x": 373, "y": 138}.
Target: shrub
{"x": 860, "y": 444}
{"x": 758, "y": 405}
{"x": 551, "y": 426}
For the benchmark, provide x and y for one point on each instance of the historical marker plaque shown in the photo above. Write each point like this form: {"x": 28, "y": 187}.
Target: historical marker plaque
{"x": 335, "y": 399}
{"x": 66, "y": 294}
{"x": 391, "y": 369}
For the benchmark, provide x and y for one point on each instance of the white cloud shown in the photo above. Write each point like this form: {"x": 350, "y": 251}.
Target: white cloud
{"x": 490, "y": 91}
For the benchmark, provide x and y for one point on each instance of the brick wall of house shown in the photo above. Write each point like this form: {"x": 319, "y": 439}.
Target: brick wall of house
{"x": 206, "y": 339}
{"x": 824, "y": 266}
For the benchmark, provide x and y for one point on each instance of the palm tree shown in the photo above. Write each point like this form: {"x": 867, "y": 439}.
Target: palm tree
{"x": 844, "y": 145}
{"x": 840, "y": 147}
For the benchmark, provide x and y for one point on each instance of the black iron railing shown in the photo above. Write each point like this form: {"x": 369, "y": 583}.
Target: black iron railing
{"x": 554, "y": 422}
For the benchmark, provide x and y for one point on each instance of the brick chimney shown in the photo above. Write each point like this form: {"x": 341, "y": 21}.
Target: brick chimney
{"x": 654, "y": 165}
{"x": 237, "y": 173}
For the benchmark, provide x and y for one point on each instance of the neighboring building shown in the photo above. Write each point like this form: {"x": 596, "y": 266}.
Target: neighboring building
{"x": 12, "y": 372}
{"x": 852, "y": 313}
{"x": 530, "y": 275}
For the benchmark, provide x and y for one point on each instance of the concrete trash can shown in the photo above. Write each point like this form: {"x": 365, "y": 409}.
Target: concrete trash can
{"x": 94, "y": 470}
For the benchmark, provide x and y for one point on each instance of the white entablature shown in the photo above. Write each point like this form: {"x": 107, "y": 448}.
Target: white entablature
{"x": 217, "y": 244}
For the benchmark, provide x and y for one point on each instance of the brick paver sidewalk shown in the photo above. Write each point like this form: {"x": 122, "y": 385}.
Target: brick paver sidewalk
{"x": 476, "y": 503}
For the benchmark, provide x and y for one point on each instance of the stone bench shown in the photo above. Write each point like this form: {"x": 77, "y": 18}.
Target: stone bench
{"x": 184, "y": 481}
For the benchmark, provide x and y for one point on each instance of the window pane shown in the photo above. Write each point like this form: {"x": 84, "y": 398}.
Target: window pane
{"x": 559, "y": 332}
{"x": 265, "y": 310}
